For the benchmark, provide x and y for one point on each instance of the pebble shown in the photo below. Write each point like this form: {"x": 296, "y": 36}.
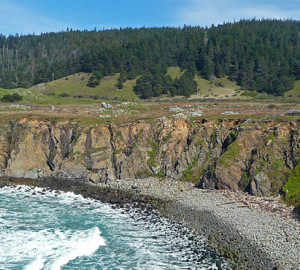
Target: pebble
{"x": 261, "y": 230}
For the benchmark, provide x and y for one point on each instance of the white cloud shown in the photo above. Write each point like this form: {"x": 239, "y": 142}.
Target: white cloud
{"x": 207, "y": 12}
{"x": 18, "y": 19}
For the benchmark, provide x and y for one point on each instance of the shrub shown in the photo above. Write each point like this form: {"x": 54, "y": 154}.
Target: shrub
{"x": 272, "y": 106}
{"x": 220, "y": 84}
{"x": 11, "y": 98}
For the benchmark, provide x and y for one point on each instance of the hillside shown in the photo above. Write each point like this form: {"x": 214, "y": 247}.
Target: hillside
{"x": 76, "y": 86}
{"x": 295, "y": 92}
{"x": 258, "y": 55}
{"x": 73, "y": 90}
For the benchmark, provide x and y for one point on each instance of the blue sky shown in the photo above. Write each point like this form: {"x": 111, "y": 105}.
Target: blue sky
{"x": 36, "y": 16}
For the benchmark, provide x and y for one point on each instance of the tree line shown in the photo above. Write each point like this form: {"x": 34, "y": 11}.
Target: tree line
{"x": 261, "y": 55}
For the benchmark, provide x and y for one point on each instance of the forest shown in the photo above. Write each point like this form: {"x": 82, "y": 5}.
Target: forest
{"x": 260, "y": 55}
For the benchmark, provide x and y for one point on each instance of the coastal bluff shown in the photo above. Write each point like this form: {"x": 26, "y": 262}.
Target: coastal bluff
{"x": 256, "y": 156}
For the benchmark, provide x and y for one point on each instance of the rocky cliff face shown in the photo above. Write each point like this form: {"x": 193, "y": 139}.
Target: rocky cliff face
{"x": 255, "y": 156}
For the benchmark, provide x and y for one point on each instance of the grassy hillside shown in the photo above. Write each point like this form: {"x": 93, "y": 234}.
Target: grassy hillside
{"x": 295, "y": 92}
{"x": 35, "y": 96}
{"x": 221, "y": 88}
{"x": 73, "y": 90}
{"x": 75, "y": 86}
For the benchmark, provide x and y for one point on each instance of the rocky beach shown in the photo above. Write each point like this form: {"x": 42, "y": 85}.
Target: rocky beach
{"x": 253, "y": 238}
{"x": 250, "y": 237}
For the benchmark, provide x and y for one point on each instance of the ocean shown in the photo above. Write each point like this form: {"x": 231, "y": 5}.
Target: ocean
{"x": 43, "y": 229}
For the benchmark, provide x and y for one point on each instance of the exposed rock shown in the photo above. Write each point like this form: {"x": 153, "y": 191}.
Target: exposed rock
{"x": 176, "y": 109}
{"x": 269, "y": 142}
{"x": 230, "y": 113}
{"x": 101, "y": 110}
{"x": 20, "y": 106}
{"x": 119, "y": 111}
{"x": 106, "y": 105}
{"x": 228, "y": 154}
{"x": 293, "y": 112}
{"x": 260, "y": 184}
{"x": 181, "y": 115}
{"x": 195, "y": 113}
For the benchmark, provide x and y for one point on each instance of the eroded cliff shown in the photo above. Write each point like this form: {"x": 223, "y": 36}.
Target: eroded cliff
{"x": 254, "y": 156}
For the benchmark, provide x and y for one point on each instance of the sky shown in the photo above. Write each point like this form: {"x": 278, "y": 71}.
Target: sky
{"x": 37, "y": 16}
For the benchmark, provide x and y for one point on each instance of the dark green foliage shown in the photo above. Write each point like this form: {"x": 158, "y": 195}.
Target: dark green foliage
{"x": 154, "y": 85}
{"x": 144, "y": 86}
{"x": 95, "y": 79}
{"x": 186, "y": 85}
{"x": 120, "y": 82}
{"x": 11, "y": 98}
{"x": 259, "y": 55}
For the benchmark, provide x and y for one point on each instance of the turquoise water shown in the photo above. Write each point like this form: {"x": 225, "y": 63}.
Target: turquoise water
{"x": 54, "y": 230}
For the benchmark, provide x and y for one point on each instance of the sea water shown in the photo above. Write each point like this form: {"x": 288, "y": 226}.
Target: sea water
{"x": 53, "y": 230}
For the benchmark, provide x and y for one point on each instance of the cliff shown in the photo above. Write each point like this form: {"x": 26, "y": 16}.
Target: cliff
{"x": 255, "y": 156}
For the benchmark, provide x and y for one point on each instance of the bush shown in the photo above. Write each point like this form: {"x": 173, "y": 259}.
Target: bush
{"x": 248, "y": 93}
{"x": 220, "y": 84}
{"x": 95, "y": 79}
{"x": 272, "y": 106}
{"x": 11, "y": 98}
{"x": 119, "y": 85}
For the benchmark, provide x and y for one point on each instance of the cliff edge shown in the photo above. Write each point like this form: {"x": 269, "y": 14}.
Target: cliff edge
{"x": 257, "y": 156}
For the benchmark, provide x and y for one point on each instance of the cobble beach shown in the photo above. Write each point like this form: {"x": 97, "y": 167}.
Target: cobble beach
{"x": 254, "y": 238}
{"x": 250, "y": 237}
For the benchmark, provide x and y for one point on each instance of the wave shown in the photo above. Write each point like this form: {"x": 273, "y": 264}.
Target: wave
{"x": 82, "y": 246}
{"x": 51, "y": 230}
{"x": 48, "y": 250}
{"x": 37, "y": 264}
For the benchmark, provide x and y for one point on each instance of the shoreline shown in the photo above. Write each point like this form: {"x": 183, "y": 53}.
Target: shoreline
{"x": 249, "y": 238}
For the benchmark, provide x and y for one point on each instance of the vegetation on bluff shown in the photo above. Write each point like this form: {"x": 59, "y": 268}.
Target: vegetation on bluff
{"x": 292, "y": 187}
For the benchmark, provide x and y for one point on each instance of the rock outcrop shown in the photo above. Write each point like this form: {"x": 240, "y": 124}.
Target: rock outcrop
{"x": 254, "y": 156}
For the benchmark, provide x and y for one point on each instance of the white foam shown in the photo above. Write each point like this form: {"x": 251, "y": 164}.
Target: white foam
{"x": 37, "y": 264}
{"x": 48, "y": 250}
{"x": 142, "y": 246}
{"x": 80, "y": 247}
